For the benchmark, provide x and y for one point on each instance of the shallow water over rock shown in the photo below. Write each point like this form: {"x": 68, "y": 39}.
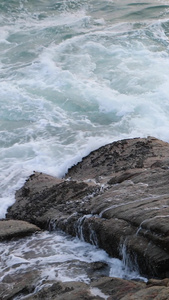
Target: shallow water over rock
{"x": 32, "y": 263}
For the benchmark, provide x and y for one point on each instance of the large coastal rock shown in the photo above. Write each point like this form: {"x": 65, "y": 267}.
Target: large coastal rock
{"x": 117, "y": 197}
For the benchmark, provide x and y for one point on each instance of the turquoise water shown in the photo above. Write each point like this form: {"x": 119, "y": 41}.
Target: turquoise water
{"x": 75, "y": 75}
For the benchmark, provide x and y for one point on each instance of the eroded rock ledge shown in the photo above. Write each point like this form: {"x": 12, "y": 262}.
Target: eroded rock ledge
{"x": 117, "y": 197}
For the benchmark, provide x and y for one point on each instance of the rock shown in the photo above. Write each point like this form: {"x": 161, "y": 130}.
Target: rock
{"x": 13, "y": 229}
{"x": 103, "y": 288}
{"x": 117, "y": 197}
{"x": 135, "y": 216}
{"x": 156, "y": 292}
{"x": 16, "y": 284}
{"x": 156, "y": 282}
{"x": 122, "y": 156}
{"x": 116, "y": 288}
{"x": 63, "y": 291}
{"x": 121, "y": 289}
{"x": 29, "y": 282}
{"x": 56, "y": 200}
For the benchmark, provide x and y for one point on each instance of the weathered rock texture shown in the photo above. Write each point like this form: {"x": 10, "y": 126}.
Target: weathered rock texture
{"x": 104, "y": 288}
{"x": 28, "y": 283}
{"x": 13, "y": 229}
{"x": 116, "y": 197}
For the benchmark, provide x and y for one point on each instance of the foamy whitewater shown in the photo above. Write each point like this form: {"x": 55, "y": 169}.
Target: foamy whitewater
{"x": 75, "y": 75}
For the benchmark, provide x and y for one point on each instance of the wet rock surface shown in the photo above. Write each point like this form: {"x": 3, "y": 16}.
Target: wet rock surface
{"x": 117, "y": 197}
{"x": 12, "y": 286}
{"x": 103, "y": 288}
{"x": 13, "y": 229}
{"x": 56, "y": 201}
{"x": 27, "y": 285}
{"x": 129, "y": 154}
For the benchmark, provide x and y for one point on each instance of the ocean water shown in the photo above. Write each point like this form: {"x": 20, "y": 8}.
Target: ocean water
{"x": 75, "y": 75}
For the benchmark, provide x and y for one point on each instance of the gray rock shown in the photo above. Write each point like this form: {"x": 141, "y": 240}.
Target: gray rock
{"x": 120, "y": 156}
{"x": 103, "y": 288}
{"x": 120, "y": 289}
{"x": 63, "y": 291}
{"x": 13, "y": 229}
{"x": 56, "y": 200}
{"x": 14, "y": 284}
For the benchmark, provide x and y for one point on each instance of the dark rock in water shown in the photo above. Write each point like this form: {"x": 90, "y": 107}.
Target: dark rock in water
{"x": 64, "y": 291}
{"x": 21, "y": 285}
{"x": 13, "y": 229}
{"x": 28, "y": 282}
{"x": 117, "y": 197}
{"x": 103, "y": 288}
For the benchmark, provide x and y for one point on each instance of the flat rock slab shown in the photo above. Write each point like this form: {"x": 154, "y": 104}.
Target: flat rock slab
{"x": 13, "y": 229}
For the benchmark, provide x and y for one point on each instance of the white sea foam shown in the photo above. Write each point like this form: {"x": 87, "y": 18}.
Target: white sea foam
{"x": 55, "y": 256}
{"x": 98, "y": 292}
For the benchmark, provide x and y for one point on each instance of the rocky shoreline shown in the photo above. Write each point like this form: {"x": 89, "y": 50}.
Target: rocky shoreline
{"x": 116, "y": 198}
